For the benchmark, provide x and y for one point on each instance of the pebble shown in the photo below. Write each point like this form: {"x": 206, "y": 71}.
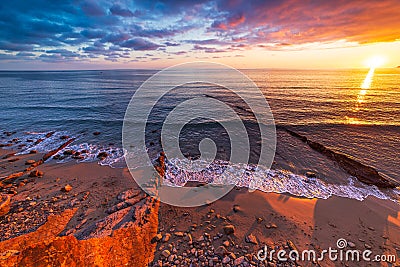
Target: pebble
{"x": 311, "y": 174}
{"x": 239, "y": 260}
{"x": 236, "y": 208}
{"x": 229, "y": 229}
{"x": 157, "y": 237}
{"x": 226, "y": 260}
{"x": 178, "y": 234}
{"x": 166, "y": 237}
{"x": 251, "y": 239}
{"x": 166, "y": 253}
{"x": 351, "y": 244}
{"x": 66, "y": 188}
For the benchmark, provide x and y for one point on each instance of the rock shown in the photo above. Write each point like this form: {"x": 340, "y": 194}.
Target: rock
{"x": 66, "y": 188}
{"x": 33, "y": 152}
{"x": 226, "y": 243}
{"x": 4, "y": 204}
{"x": 239, "y": 260}
{"x": 236, "y": 208}
{"x": 156, "y": 238}
{"x": 229, "y": 229}
{"x": 363, "y": 173}
{"x": 367, "y": 246}
{"x": 251, "y": 239}
{"x": 102, "y": 155}
{"x": 178, "y": 234}
{"x": 226, "y": 260}
{"x": 259, "y": 220}
{"x": 371, "y": 228}
{"x": 68, "y": 152}
{"x": 351, "y": 244}
{"x": 166, "y": 253}
{"x": 166, "y": 237}
{"x": 96, "y": 133}
{"x": 310, "y": 174}
{"x": 36, "y": 173}
{"x": 29, "y": 162}
{"x": 63, "y": 137}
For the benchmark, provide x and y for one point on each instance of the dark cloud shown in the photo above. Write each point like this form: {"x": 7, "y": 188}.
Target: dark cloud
{"x": 140, "y": 44}
{"x": 93, "y": 34}
{"x": 8, "y": 46}
{"x": 92, "y": 8}
{"x": 120, "y": 11}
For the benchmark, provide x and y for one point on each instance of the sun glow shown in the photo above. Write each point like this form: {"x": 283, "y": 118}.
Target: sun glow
{"x": 373, "y": 63}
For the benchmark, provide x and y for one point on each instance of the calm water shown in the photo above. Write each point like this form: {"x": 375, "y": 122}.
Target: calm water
{"x": 327, "y": 106}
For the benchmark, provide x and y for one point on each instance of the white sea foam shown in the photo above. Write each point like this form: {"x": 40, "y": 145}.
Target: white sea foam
{"x": 272, "y": 180}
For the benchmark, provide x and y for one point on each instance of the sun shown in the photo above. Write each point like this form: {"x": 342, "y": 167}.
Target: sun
{"x": 375, "y": 62}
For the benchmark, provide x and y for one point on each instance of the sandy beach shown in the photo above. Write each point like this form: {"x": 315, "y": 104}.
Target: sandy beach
{"x": 73, "y": 208}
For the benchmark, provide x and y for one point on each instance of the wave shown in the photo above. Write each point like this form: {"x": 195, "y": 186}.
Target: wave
{"x": 271, "y": 180}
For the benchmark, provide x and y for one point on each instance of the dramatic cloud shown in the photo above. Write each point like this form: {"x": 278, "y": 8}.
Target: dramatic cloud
{"x": 55, "y": 30}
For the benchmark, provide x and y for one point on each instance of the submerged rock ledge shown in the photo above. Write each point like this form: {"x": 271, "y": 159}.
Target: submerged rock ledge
{"x": 362, "y": 172}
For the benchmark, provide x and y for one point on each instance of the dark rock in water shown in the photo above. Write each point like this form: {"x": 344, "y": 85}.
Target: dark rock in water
{"x": 102, "y": 155}
{"x": 363, "y": 173}
{"x": 311, "y": 175}
{"x": 49, "y": 134}
{"x": 4, "y": 204}
{"x": 63, "y": 137}
{"x": 68, "y": 152}
{"x": 33, "y": 152}
{"x": 96, "y": 133}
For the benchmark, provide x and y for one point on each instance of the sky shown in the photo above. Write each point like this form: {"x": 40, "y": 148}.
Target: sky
{"x": 100, "y": 34}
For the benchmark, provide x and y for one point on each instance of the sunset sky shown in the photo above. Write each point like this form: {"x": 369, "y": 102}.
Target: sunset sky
{"x": 64, "y": 34}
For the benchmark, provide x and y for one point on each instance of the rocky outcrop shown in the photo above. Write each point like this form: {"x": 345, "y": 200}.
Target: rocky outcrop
{"x": 362, "y": 172}
{"x": 122, "y": 238}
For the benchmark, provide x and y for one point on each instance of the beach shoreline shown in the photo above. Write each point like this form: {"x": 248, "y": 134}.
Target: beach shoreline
{"x": 258, "y": 218}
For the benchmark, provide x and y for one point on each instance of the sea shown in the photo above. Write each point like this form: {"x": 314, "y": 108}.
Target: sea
{"x": 337, "y": 108}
